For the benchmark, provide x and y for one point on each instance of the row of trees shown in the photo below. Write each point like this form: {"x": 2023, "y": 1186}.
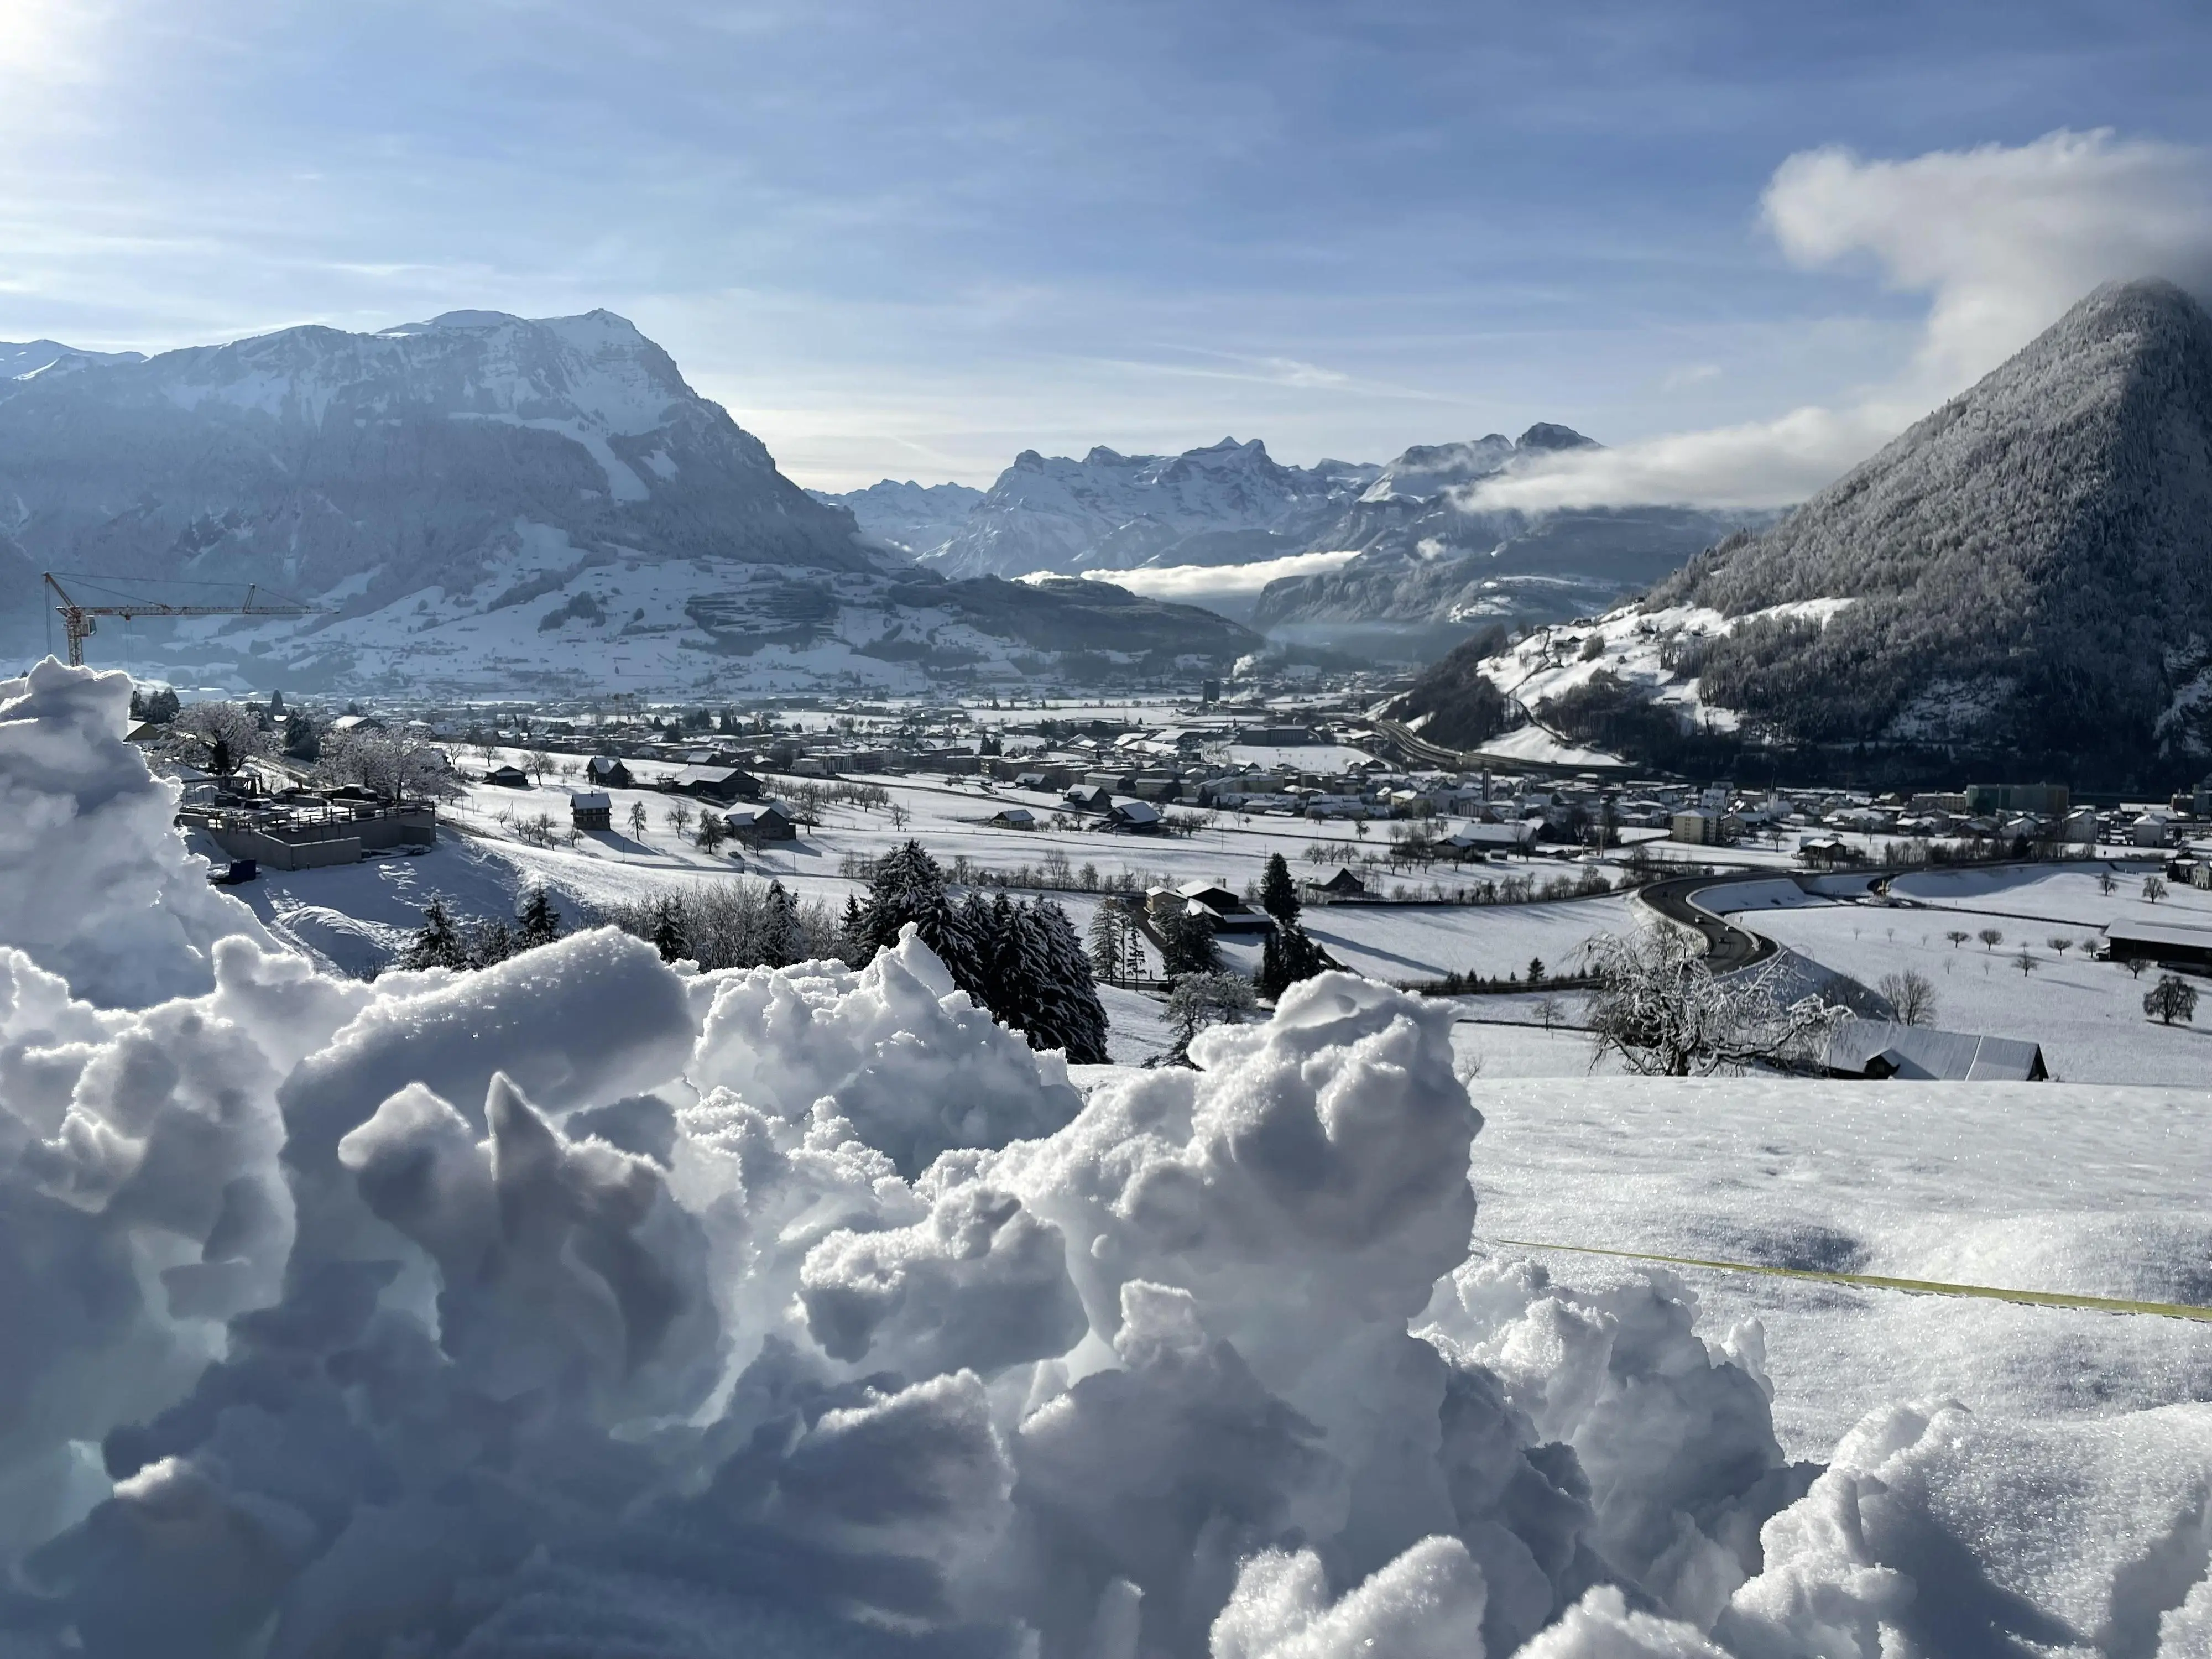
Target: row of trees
{"x": 444, "y": 940}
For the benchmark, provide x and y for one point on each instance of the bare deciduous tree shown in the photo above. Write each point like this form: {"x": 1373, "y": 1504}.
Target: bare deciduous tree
{"x": 1911, "y": 995}
{"x": 1666, "y": 1014}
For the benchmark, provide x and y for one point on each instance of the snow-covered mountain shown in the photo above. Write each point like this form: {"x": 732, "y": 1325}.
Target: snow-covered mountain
{"x": 918, "y": 519}
{"x": 487, "y": 502}
{"x": 1114, "y": 512}
{"x": 1425, "y": 557}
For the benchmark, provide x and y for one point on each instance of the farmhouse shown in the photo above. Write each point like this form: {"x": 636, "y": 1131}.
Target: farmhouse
{"x": 751, "y": 826}
{"x": 1874, "y": 1048}
{"x": 720, "y": 784}
{"x": 592, "y": 809}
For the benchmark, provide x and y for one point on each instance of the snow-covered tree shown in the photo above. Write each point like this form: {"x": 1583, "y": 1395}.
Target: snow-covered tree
{"x": 438, "y": 942}
{"x": 1666, "y": 1014}
{"x": 1202, "y": 999}
{"x": 1069, "y": 1015}
{"x": 538, "y": 922}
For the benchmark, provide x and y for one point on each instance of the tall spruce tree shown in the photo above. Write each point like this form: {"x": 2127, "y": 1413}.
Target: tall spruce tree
{"x": 1187, "y": 945}
{"x": 1107, "y": 926}
{"x": 1279, "y": 893}
{"x": 782, "y": 940}
{"x": 1069, "y": 1015}
{"x": 853, "y": 941}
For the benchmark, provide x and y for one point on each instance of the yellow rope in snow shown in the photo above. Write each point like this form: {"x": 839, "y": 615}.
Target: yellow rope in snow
{"x": 1911, "y": 1286}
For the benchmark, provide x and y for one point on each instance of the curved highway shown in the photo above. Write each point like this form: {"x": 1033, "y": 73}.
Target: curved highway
{"x": 1727, "y": 946}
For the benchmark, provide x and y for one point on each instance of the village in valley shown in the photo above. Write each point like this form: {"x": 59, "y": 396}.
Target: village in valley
{"x": 1989, "y": 931}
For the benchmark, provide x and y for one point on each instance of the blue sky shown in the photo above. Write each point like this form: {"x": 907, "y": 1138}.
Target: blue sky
{"x": 913, "y": 239}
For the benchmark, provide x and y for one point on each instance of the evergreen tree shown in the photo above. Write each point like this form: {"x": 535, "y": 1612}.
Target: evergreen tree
{"x": 1535, "y": 970}
{"x": 275, "y": 705}
{"x": 1108, "y": 926}
{"x": 1187, "y": 945}
{"x": 782, "y": 940}
{"x": 490, "y": 942}
{"x": 669, "y": 936}
{"x": 853, "y": 941}
{"x": 300, "y": 742}
{"x": 1069, "y": 1014}
{"x": 437, "y": 943}
{"x": 539, "y": 922}
{"x": 909, "y": 887}
{"x": 1279, "y": 893}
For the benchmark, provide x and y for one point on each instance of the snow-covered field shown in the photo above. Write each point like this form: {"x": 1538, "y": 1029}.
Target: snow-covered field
{"x": 2094, "y": 1191}
{"x": 589, "y": 1305}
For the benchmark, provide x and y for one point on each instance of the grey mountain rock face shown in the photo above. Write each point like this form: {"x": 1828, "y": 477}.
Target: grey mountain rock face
{"x": 918, "y": 519}
{"x": 434, "y": 486}
{"x": 2029, "y": 568}
{"x": 1114, "y": 512}
{"x": 1424, "y": 555}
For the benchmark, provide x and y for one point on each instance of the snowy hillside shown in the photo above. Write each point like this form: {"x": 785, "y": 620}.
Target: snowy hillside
{"x": 2029, "y": 568}
{"x": 484, "y": 502}
{"x": 1227, "y": 503}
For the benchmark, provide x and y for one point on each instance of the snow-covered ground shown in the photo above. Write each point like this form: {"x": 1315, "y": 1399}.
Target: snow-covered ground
{"x": 2096, "y": 1191}
{"x": 588, "y": 1302}
{"x": 2087, "y": 1015}
{"x": 1400, "y": 943}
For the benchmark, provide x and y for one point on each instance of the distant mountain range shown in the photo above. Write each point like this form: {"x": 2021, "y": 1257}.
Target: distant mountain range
{"x": 1408, "y": 556}
{"x": 2019, "y": 584}
{"x": 487, "y": 502}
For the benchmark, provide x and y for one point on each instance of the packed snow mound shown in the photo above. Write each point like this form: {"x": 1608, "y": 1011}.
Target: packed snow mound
{"x": 589, "y": 1304}
{"x": 93, "y": 885}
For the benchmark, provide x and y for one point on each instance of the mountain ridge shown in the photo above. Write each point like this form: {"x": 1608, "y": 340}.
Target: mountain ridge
{"x": 429, "y": 484}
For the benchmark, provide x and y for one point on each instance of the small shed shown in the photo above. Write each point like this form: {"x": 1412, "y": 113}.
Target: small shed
{"x": 592, "y": 809}
{"x": 508, "y": 777}
{"x": 752, "y": 826}
{"x": 1014, "y": 817}
{"x": 607, "y": 772}
{"x": 1342, "y": 885}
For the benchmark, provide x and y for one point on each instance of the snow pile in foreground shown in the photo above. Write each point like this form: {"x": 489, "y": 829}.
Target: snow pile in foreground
{"x": 589, "y": 1305}
{"x": 93, "y": 883}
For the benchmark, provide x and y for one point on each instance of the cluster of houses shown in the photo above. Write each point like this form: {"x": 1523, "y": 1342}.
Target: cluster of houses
{"x": 2038, "y": 814}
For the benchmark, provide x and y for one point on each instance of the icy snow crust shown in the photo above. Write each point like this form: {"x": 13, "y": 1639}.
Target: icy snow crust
{"x": 591, "y": 1305}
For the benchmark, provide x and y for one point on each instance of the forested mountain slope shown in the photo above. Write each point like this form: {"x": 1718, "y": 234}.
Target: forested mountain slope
{"x": 2028, "y": 570}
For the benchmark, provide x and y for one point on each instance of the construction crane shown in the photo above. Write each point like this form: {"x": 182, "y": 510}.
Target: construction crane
{"x": 78, "y": 625}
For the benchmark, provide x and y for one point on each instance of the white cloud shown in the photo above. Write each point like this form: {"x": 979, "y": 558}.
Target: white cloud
{"x": 1197, "y": 583}
{"x": 2003, "y": 240}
